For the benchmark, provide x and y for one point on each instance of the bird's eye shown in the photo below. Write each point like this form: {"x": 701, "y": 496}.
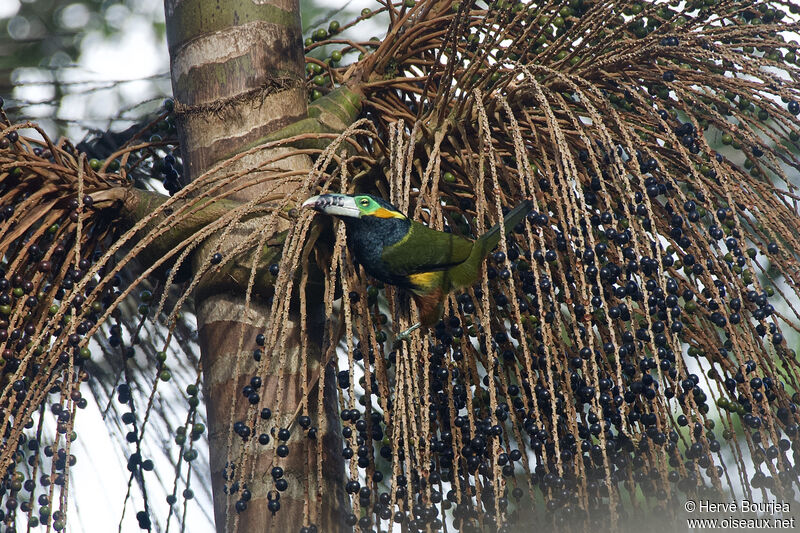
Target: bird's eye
{"x": 364, "y": 202}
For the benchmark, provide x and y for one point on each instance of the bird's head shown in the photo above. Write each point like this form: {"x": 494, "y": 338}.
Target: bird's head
{"x": 353, "y": 206}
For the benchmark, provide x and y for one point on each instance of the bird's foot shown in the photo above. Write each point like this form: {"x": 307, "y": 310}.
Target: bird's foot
{"x": 405, "y": 335}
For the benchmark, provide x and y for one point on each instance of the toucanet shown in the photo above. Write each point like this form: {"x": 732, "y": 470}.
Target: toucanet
{"x": 399, "y": 251}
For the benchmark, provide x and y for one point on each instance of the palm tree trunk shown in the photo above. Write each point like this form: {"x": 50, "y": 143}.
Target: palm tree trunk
{"x": 238, "y": 75}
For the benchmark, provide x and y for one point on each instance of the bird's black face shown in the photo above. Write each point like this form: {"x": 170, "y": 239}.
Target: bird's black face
{"x": 372, "y": 225}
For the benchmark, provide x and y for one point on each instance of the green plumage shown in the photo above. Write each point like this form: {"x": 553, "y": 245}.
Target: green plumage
{"x": 424, "y": 250}
{"x": 410, "y": 255}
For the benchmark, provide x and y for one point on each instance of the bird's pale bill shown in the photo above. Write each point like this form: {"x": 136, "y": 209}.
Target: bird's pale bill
{"x": 334, "y": 204}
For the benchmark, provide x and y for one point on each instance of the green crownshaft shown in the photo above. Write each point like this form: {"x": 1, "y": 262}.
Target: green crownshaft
{"x": 399, "y": 251}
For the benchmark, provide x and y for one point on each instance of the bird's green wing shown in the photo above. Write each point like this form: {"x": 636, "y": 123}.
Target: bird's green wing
{"x": 426, "y": 250}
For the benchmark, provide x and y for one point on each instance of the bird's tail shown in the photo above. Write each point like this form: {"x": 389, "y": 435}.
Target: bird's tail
{"x": 489, "y": 240}
{"x": 466, "y": 273}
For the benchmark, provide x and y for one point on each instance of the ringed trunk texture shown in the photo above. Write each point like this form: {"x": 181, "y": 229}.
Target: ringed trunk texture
{"x": 238, "y": 75}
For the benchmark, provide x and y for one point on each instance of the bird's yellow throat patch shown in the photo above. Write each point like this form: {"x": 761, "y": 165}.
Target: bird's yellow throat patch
{"x": 385, "y": 213}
